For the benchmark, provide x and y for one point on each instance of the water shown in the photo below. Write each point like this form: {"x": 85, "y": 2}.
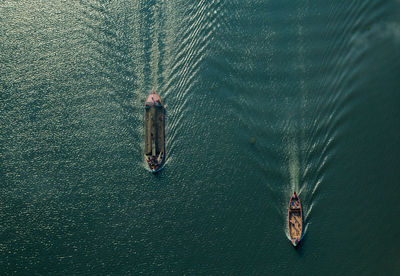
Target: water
{"x": 315, "y": 84}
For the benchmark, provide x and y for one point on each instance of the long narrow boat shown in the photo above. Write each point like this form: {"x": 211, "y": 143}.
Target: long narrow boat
{"x": 154, "y": 150}
{"x": 295, "y": 220}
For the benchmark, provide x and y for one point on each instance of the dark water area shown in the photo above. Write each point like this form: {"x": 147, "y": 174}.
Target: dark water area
{"x": 263, "y": 98}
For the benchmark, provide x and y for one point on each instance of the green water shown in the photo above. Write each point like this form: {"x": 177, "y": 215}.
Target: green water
{"x": 315, "y": 85}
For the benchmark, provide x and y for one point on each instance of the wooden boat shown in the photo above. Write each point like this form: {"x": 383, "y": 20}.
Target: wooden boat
{"x": 295, "y": 220}
{"x": 154, "y": 150}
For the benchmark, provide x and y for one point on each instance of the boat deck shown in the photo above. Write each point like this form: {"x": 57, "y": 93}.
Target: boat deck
{"x": 154, "y": 133}
{"x": 295, "y": 225}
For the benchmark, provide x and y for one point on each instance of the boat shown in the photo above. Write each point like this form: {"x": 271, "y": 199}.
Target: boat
{"x": 154, "y": 151}
{"x": 295, "y": 219}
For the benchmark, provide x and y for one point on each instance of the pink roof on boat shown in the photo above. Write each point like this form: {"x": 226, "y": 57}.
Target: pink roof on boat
{"x": 153, "y": 99}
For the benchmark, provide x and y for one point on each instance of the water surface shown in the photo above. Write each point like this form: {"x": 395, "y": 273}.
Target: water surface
{"x": 314, "y": 84}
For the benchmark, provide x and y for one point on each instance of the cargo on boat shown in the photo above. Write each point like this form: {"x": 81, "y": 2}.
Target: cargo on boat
{"x": 295, "y": 220}
{"x": 154, "y": 150}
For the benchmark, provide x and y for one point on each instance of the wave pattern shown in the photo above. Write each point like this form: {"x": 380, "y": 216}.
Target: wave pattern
{"x": 259, "y": 98}
{"x": 277, "y": 76}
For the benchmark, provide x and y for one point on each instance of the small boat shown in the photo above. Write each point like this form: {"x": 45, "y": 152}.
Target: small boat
{"x": 154, "y": 150}
{"x": 295, "y": 220}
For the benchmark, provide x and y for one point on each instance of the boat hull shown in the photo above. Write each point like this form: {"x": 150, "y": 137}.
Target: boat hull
{"x": 154, "y": 152}
{"x": 295, "y": 220}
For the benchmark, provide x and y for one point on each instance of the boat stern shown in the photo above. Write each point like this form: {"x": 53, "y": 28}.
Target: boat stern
{"x": 157, "y": 168}
{"x": 154, "y": 164}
